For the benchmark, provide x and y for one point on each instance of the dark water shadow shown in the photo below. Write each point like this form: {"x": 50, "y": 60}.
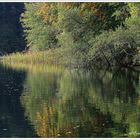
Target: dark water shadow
{"x": 12, "y": 120}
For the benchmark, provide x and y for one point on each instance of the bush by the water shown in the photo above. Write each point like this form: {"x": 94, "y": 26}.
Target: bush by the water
{"x": 118, "y": 47}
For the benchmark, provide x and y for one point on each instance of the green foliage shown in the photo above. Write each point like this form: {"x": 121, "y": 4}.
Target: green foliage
{"x": 79, "y": 24}
{"x": 44, "y": 23}
{"x": 134, "y": 10}
{"x": 120, "y": 47}
{"x": 115, "y": 48}
{"x": 39, "y": 34}
{"x": 134, "y": 20}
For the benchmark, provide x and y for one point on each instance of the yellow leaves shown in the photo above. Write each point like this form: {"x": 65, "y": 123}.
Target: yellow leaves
{"x": 134, "y": 9}
{"x": 88, "y": 6}
{"x": 46, "y": 127}
{"x": 44, "y": 9}
{"x": 67, "y": 5}
{"x": 48, "y": 12}
{"x": 92, "y": 8}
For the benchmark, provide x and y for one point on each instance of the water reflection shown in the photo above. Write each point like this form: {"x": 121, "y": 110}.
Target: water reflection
{"x": 62, "y": 102}
{"x": 12, "y": 120}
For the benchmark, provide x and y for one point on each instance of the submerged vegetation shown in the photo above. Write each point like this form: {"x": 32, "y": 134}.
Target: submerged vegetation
{"x": 81, "y": 34}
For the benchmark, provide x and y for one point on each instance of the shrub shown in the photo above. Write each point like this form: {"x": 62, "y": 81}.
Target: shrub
{"x": 118, "y": 47}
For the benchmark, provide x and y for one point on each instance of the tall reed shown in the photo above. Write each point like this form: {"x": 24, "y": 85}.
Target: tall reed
{"x": 52, "y": 56}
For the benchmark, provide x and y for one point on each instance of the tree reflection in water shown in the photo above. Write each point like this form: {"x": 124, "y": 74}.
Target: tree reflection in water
{"x": 79, "y": 103}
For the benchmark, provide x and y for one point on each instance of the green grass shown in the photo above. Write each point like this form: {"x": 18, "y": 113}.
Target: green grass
{"x": 53, "y": 56}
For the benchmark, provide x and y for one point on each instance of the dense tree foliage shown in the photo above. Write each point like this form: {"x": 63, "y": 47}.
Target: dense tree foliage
{"x": 44, "y": 23}
{"x": 78, "y": 27}
{"x": 40, "y": 32}
{"x": 120, "y": 47}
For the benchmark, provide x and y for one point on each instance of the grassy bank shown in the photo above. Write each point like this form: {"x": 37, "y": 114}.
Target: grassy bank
{"x": 57, "y": 56}
{"x": 52, "y": 56}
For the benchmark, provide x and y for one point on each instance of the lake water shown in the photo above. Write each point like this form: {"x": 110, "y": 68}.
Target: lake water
{"x": 52, "y": 101}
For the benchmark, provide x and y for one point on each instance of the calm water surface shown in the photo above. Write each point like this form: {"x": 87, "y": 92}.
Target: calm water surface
{"x": 38, "y": 101}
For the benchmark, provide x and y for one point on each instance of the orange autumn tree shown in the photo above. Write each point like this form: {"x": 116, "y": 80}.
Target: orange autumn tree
{"x": 48, "y": 12}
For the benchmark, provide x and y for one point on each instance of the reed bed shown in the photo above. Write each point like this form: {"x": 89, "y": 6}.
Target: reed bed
{"x": 53, "y": 56}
